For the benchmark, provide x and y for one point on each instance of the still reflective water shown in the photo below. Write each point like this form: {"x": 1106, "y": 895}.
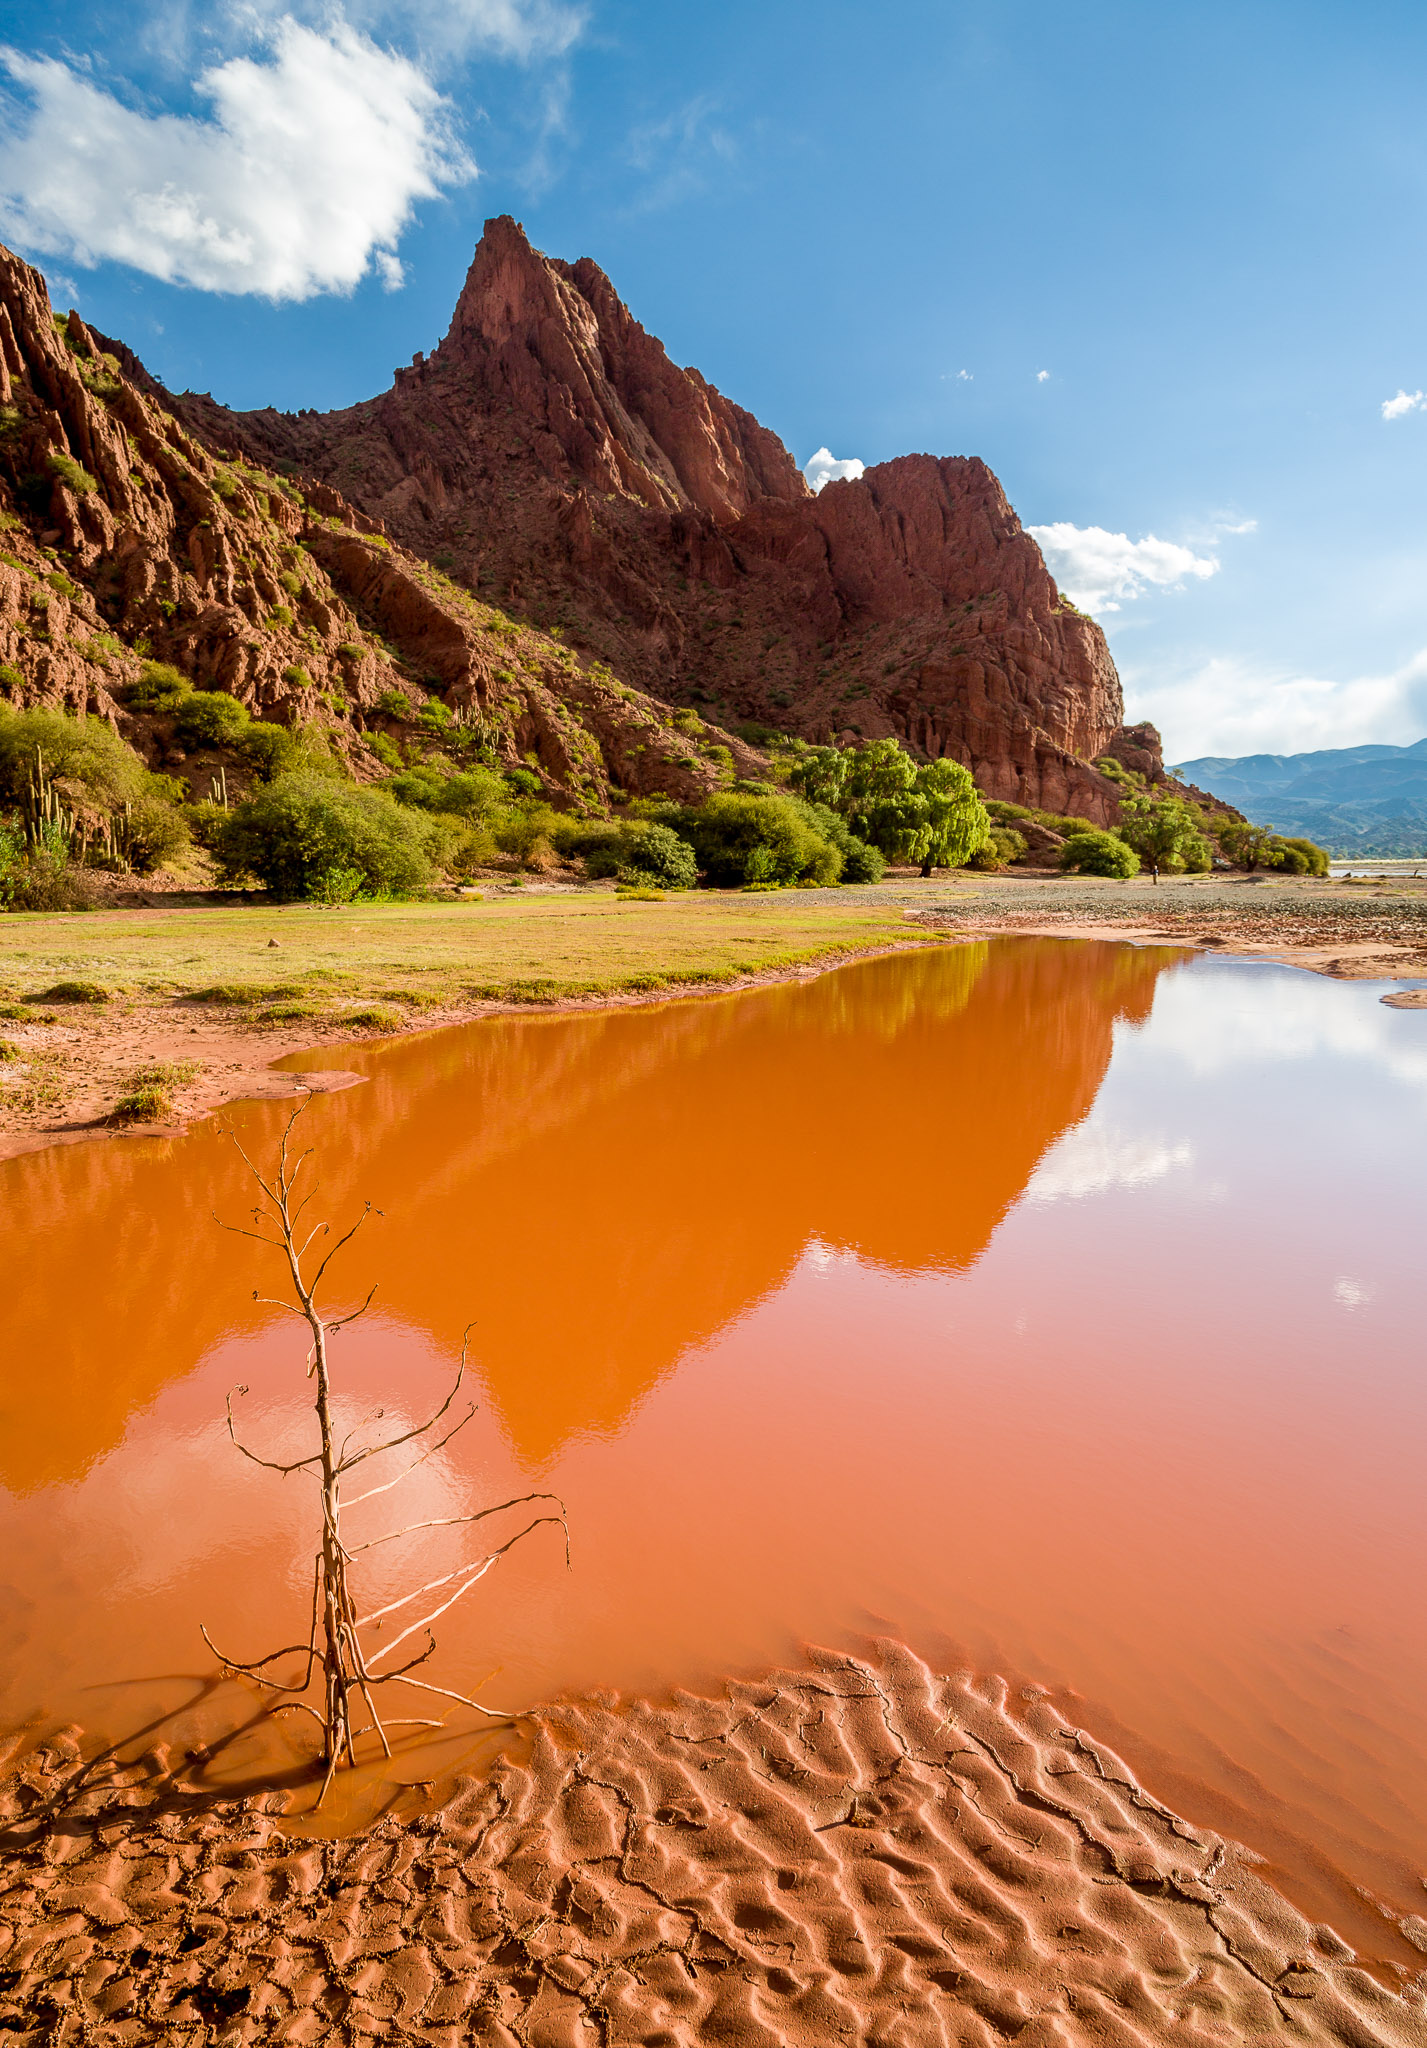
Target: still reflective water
{"x": 1055, "y": 1305}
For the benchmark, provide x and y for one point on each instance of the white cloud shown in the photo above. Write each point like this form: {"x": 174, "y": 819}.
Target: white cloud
{"x": 1095, "y": 1157}
{"x": 1042, "y": 376}
{"x": 1096, "y": 569}
{"x": 302, "y": 179}
{"x": 1405, "y": 402}
{"x": 827, "y": 468}
{"x": 1231, "y": 706}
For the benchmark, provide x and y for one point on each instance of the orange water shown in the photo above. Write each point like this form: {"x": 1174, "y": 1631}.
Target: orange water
{"x": 1056, "y": 1305}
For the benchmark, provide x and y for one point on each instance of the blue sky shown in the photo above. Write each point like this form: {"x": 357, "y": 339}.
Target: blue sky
{"x": 1161, "y": 268}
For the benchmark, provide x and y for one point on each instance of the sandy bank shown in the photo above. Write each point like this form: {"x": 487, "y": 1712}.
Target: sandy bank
{"x": 859, "y": 1852}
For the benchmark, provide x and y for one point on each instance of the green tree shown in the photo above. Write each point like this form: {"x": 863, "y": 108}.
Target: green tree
{"x": 1100, "y": 853}
{"x": 1163, "y": 831}
{"x": 1249, "y": 846}
{"x": 932, "y": 814}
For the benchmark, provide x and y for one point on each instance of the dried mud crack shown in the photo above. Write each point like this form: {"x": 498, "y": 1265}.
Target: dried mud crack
{"x": 851, "y": 1853}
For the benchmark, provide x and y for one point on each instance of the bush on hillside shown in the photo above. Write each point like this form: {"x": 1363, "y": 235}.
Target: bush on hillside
{"x": 474, "y": 793}
{"x": 305, "y": 835}
{"x": 1089, "y": 852}
{"x": 99, "y": 781}
{"x": 160, "y": 688}
{"x": 211, "y": 718}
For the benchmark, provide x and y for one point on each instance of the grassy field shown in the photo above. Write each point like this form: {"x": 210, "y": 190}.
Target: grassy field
{"x": 519, "y": 947}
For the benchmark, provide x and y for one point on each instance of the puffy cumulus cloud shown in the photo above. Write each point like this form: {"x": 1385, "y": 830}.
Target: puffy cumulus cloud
{"x": 302, "y": 179}
{"x": 826, "y": 468}
{"x": 1097, "y": 570}
{"x": 1229, "y": 706}
{"x": 1405, "y": 402}
{"x": 1042, "y": 376}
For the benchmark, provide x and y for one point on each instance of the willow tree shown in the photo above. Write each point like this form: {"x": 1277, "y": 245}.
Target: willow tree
{"x": 344, "y": 1667}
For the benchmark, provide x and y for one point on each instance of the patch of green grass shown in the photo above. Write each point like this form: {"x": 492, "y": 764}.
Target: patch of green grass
{"x": 9, "y": 1050}
{"x": 290, "y": 1013}
{"x": 75, "y": 992}
{"x": 416, "y": 998}
{"x": 371, "y": 1017}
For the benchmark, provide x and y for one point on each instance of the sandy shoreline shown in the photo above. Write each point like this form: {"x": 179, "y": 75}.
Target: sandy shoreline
{"x": 859, "y": 1851}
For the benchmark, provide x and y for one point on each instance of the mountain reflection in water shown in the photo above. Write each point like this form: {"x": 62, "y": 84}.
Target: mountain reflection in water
{"x": 600, "y": 1192}
{"x": 1054, "y": 1304}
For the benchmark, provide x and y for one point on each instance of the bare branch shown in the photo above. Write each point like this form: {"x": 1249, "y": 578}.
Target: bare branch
{"x": 452, "y": 1521}
{"x": 430, "y": 1452}
{"x": 423, "y": 1427}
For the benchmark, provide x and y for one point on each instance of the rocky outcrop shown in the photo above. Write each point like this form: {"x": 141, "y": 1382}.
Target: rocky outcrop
{"x": 125, "y": 538}
{"x": 551, "y": 456}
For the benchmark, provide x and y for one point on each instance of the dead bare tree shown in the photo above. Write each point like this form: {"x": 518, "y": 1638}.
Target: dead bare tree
{"x": 338, "y": 1656}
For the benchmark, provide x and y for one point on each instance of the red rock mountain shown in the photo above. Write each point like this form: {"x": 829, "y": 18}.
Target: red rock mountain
{"x": 550, "y": 457}
{"x": 125, "y": 539}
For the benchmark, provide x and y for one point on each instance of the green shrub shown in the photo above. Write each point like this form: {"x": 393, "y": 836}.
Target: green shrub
{"x": 1301, "y": 857}
{"x": 159, "y": 688}
{"x": 210, "y": 718}
{"x": 296, "y": 675}
{"x": 525, "y": 833}
{"x": 739, "y": 839}
{"x": 291, "y": 583}
{"x": 394, "y": 704}
{"x": 11, "y": 681}
{"x": 475, "y": 793}
{"x": 931, "y": 814}
{"x": 301, "y": 829}
{"x": 280, "y": 615}
{"x": 1099, "y": 853}
{"x": 642, "y": 853}
{"x": 386, "y": 751}
{"x": 523, "y": 781}
{"x": 9, "y": 1050}
{"x": 89, "y": 753}
{"x": 270, "y": 750}
{"x": 73, "y": 473}
{"x": 1003, "y": 847}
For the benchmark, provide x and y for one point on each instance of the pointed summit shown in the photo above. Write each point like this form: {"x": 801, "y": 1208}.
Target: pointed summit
{"x": 555, "y": 341}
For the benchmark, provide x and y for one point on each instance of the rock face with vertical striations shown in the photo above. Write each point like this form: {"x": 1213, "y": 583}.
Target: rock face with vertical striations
{"x": 552, "y": 457}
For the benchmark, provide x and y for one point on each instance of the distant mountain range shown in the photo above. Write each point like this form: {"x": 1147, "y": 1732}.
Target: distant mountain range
{"x": 1353, "y": 800}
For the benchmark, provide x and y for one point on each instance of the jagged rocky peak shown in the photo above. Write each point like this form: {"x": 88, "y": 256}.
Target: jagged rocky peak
{"x": 601, "y": 398}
